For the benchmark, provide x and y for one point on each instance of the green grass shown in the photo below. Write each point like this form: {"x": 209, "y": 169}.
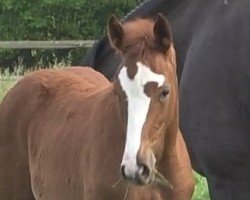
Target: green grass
{"x": 201, "y": 188}
{"x": 8, "y": 80}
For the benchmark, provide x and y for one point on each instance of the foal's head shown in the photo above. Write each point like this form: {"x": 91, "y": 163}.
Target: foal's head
{"x": 147, "y": 89}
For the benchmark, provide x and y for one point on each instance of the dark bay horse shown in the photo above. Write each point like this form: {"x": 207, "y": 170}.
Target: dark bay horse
{"x": 211, "y": 38}
{"x": 66, "y": 134}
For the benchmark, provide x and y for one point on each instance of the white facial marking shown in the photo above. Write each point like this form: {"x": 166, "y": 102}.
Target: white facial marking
{"x": 138, "y": 106}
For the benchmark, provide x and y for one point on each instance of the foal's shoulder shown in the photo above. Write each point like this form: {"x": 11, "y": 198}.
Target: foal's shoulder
{"x": 72, "y": 81}
{"x": 88, "y": 74}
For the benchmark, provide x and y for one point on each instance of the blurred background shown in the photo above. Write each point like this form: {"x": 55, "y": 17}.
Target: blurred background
{"x": 54, "y": 20}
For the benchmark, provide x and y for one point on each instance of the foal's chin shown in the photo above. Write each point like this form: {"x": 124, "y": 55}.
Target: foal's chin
{"x": 139, "y": 181}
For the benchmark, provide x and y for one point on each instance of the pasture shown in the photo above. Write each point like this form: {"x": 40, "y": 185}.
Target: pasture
{"x": 7, "y": 80}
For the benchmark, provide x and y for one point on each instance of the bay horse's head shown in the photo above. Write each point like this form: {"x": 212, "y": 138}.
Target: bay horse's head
{"x": 146, "y": 86}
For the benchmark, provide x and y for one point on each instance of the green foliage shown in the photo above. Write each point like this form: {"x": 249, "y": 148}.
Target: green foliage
{"x": 201, "y": 188}
{"x": 55, "y": 20}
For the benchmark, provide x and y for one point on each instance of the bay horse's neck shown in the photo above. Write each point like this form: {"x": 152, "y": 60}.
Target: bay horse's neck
{"x": 187, "y": 19}
{"x": 149, "y": 8}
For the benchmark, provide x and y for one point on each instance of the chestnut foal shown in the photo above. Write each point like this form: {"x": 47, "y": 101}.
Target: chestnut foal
{"x": 67, "y": 134}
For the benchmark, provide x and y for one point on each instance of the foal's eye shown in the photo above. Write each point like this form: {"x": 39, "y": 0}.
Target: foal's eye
{"x": 164, "y": 94}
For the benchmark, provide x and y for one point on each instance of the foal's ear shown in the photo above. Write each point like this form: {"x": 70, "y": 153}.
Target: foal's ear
{"x": 115, "y": 32}
{"x": 162, "y": 33}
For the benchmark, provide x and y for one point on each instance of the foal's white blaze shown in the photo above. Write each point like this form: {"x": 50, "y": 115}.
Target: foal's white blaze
{"x": 138, "y": 106}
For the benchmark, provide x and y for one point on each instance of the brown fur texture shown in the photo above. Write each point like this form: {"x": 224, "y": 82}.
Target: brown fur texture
{"x": 62, "y": 130}
{"x": 62, "y": 137}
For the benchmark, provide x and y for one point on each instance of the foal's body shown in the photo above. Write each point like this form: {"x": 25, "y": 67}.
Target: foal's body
{"x": 31, "y": 144}
{"x": 63, "y": 132}
{"x": 76, "y": 154}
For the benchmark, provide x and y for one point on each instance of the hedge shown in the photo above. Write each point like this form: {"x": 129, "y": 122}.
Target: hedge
{"x": 54, "y": 20}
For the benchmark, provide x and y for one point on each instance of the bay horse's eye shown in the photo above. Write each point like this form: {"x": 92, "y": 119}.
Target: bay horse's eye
{"x": 164, "y": 94}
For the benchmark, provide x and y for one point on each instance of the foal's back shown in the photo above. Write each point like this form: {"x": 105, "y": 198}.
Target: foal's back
{"x": 22, "y": 106}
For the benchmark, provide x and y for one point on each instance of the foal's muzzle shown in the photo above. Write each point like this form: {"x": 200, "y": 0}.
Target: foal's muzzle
{"x": 141, "y": 176}
{"x": 143, "y": 171}
{"x": 140, "y": 170}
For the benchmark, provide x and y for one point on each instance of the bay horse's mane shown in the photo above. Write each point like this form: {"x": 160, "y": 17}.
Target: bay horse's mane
{"x": 128, "y": 15}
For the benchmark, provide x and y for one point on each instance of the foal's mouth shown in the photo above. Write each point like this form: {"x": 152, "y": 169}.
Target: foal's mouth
{"x": 159, "y": 179}
{"x": 155, "y": 177}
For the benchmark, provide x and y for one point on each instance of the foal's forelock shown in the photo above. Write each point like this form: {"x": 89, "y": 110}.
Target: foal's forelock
{"x": 138, "y": 102}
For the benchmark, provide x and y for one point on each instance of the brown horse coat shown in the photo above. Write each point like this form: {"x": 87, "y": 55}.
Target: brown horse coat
{"x": 61, "y": 136}
{"x": 63, "y": 132}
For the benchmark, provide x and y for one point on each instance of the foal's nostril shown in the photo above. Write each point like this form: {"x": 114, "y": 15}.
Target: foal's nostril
{"x": 143, "y": 174}
{"x": 122, "y": 169}
{"x": 144, "y": 171}
{"x": 140, "y": 175}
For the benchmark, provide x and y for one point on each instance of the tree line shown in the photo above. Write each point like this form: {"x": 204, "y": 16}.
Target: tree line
{"x": 54, "y": 20}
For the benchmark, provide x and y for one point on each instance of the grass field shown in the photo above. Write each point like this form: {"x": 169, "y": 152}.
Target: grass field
{"x": 8, "y": 80}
